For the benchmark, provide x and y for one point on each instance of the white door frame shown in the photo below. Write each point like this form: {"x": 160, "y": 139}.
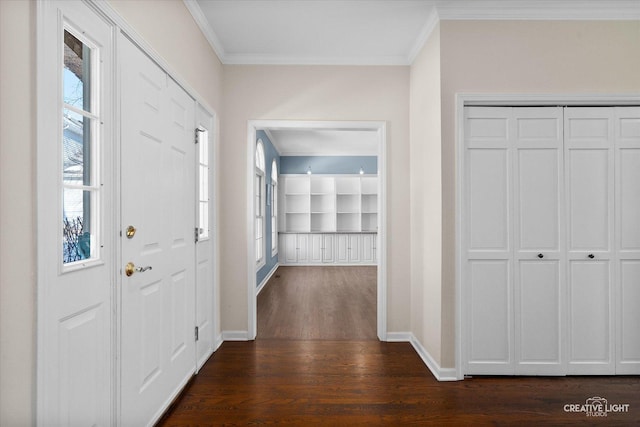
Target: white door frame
{"x": 464, "y": 100}
{"x": 381, "y": 128}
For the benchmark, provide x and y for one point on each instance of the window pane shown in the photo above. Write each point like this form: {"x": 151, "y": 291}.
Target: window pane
{"x": 76, "y": 222}
{"x": 77, "y": 69}
{"x": 76, "y": 149}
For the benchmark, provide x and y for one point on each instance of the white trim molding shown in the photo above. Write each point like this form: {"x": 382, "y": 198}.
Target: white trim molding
{"x": 236, "y": 336}
{"x": 266, "y": 279}
{"x": 441, "y": 374}
{"x": 381, "y": 127}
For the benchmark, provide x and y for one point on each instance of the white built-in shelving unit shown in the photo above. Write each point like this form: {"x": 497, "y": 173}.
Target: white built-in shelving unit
{"x": 329, "y": 203}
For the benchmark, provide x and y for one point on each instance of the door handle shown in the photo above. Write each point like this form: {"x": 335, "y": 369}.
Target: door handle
{"x": 131, "y": 268}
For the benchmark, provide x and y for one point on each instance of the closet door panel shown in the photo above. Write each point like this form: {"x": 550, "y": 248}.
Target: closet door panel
{"x": 629, "y": 198}
{"x": 489, "y": 313}
{"x": 538, "y": 199}
{"x": 539, "y": 313}
{"x": 488, "y": 199}
{"x": 627, "y": 134}
{"x": 589, "y": 183}
{"x": 538, "y": 292}
{"x": 589, "y": 199}
{"x": 628, "y": 335}
{"x": 590, "y": 350}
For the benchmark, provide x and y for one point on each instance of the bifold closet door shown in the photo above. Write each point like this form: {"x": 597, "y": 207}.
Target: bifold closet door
{"x": 627, "y": 153}
{"x": 488, "y": 264}
{"x": 589, "y": 184}
{"x": 539, "y": 295}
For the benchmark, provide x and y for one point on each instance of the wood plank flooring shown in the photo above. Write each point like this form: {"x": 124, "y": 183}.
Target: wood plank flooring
{"x": 319, "y": 303}
{"x": 331, "y": 379}
{"x": 370, "y": 383}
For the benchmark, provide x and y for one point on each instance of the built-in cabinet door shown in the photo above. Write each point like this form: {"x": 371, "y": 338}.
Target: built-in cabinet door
{"x": 538, "y": 268}
{"x": 627, "y": 153}
{"x": 367, "y": 248}
{"x": 290, "y": 248}
{"x": 589, "y": 180}
{"x": 354, "y": 248}
{"x": 328, "y": 250}
{"x": 488, "y": 266}
{"x": 342, "y": 248}
{"x": 303, "y": 248}
{"x": 316, "y": 246}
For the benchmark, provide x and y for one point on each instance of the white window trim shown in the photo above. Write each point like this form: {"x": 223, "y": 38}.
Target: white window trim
{"x": 274, "y": 208}
{"x": 260, "y": 172}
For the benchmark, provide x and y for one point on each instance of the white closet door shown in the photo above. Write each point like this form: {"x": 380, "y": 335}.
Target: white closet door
{"x": 627, "y": 146}
{"x": 538, "y": 292}
{"x": 589, "y": 180}
{"x": 486, "y": 232}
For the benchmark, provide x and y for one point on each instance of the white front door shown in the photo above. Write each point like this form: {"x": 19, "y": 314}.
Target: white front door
{"x": 157, "y": 353}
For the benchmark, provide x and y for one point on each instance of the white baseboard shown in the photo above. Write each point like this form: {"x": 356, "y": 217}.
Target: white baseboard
{"x": 441, "y": 374}
{"x": 266, "y": 279}
{"x": 235, "y": 336}
{"x": 217, "y": 342}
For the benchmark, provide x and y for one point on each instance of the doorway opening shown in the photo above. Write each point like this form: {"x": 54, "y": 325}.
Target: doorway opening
{"x": 374, "y": 225}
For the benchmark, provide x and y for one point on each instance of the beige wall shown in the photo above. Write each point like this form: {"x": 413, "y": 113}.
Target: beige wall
{"x": 174, "y": 35}
{"x": 426, "y": 196}
{"x": 313, "y": 93}
{"x": 17, "y": 213}
{"x": 522, "y": 57}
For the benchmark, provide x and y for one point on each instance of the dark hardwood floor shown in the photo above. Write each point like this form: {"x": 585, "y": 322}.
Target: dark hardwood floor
{"x": 319, "y": 303}
{"x": 348, "y": 382}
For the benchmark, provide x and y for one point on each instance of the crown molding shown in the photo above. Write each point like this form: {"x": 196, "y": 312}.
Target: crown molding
{"x": 432, "y": 22}
{"x": 205, "y": 27}
{"x": 259, "y": 59}
{"x": 443, "y": 10}
{"x": 541, "y": 10}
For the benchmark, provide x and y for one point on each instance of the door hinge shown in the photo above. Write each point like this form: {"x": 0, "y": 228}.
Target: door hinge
{"x": 197, "y": 334}
{"x": 198, "y": 130}
{"x": 196, "y": 234}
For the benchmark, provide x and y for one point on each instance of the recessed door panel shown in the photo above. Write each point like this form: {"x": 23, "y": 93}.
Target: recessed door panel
{"x": 589, "y": 199}
{"x": 488, "y": 199}
{"x": 539, "y": 314}
{"x": 538, "y": 199}
{"x": 629, "y": 345}
{"x": 629, "y": 198}
{"x": 589, "y": 317}
{"x": 489, "y": 340}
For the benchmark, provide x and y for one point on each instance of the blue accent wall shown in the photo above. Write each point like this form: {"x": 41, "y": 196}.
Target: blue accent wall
{"x": 270, "y": 153}
{"x": 328, "y": 164}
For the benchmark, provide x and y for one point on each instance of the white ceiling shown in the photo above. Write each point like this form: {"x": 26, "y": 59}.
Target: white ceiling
{"x": 363, "y": 32}
{"x": 359, "y": 32}
{"x": 324, "y": 142}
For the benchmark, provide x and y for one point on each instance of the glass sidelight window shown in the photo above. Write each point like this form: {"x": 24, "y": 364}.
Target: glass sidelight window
{"x": 80, "y": 123}
{"x": 203, "y": 183}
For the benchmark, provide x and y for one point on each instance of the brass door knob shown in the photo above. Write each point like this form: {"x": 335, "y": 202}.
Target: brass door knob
{"x": 131, "y": 231}
{"x": 131, "y": 268}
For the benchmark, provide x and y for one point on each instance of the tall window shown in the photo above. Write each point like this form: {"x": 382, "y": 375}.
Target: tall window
{"x": 259, "y": 205}
{"x": 203, "y": 183}
{"x": 80, "y": 122}
{"x": 274, "y": 208}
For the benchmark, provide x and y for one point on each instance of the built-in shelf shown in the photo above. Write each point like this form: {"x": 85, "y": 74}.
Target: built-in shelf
{"x": 329, "y": 203}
